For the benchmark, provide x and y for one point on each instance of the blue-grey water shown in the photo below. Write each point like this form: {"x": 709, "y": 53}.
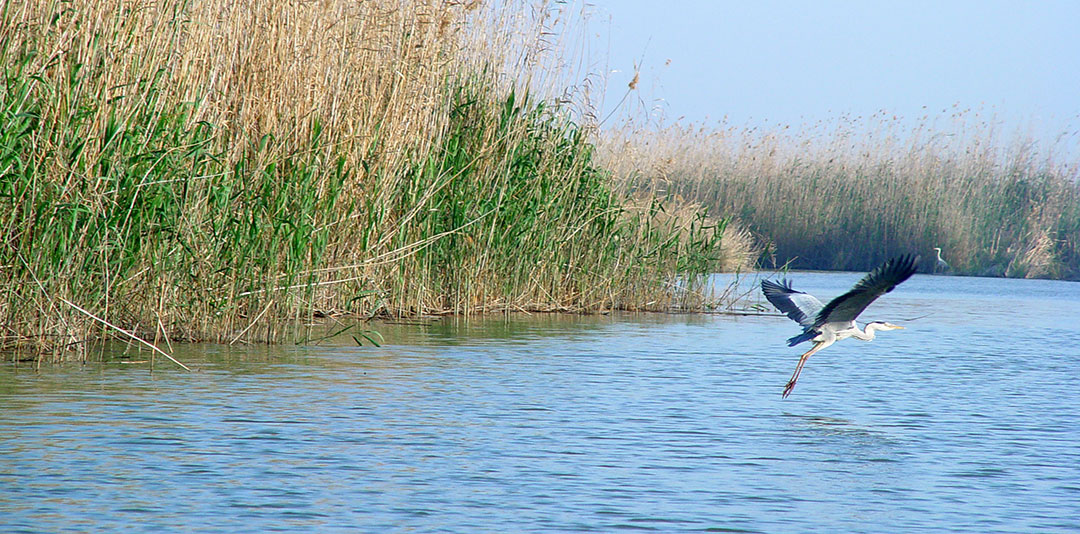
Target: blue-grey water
{"x": 968, "y": 420}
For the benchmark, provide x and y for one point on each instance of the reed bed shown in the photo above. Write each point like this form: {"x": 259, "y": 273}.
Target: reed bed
{"x": 233, "y": 171}
{"x": 849, "y": 193}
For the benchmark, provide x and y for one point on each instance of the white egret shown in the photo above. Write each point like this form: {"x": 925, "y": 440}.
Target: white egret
{"x": 941, "y": 265}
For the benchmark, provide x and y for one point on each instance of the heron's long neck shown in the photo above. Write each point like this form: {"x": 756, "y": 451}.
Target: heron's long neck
{"x": 938, "y": 254}
{"x": 867, "y": 334}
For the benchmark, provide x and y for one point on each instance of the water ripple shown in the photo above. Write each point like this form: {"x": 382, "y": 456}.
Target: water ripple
{"x": 642, "y": 422}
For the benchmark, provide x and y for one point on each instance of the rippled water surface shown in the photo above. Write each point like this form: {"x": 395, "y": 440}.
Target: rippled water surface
{"x": 969, "y": 420}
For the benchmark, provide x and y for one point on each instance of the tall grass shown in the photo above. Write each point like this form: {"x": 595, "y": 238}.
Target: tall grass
{"x": 849, "y": 193}
{"x": 230, "y": 171}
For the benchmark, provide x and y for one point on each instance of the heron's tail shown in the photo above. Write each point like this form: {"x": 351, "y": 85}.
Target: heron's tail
{"x": 807, "y": 335}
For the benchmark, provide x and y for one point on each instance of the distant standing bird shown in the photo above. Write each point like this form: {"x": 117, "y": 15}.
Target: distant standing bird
{"x": 829, "y": 323}
{"x": 941, "y": 265}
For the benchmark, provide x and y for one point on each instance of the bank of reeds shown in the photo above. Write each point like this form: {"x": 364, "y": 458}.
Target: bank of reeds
{"x": 230, "y": 171}
{"x": 850, "y": 193}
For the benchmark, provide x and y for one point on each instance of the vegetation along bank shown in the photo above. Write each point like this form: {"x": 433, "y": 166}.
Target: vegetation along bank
{"x": 232, "y": 172}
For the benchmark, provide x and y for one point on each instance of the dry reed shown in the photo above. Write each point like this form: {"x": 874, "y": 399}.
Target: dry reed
{"x": 231, "y": 171}
{"x": 849, "y": 193}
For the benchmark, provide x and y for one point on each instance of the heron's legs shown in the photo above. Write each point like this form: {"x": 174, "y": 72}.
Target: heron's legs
{"x": 798, "y": 368}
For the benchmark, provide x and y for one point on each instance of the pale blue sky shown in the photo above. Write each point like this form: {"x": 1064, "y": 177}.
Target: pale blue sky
{"x": 783, "y": 62}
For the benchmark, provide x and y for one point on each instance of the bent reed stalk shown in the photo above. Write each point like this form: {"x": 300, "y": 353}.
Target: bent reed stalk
{"x": 852, "y": 192}
{"x": 228, "y": 171}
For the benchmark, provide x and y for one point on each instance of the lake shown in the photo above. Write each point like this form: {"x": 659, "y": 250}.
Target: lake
{"x": 967, "y": 421}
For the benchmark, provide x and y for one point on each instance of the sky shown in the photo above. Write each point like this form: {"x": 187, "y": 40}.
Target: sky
{"x": 772, "y": 62}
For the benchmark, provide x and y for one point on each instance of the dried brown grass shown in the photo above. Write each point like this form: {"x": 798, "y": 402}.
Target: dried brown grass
{"x": 234, "y": 170}
{"x": 849, "y": 193}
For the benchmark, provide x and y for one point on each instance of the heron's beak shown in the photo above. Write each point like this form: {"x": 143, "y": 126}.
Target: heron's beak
{"x": 898, "y": 327}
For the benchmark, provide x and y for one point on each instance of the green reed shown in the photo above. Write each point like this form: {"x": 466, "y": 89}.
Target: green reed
{"x": 134, "y": 194}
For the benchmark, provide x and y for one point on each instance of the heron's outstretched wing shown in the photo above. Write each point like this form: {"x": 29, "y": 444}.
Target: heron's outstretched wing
{"x": 881, "y": 280}
{"x": 801, "y": 307}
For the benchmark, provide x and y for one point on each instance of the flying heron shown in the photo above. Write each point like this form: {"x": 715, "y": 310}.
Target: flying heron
{"x": 829, "y": 323}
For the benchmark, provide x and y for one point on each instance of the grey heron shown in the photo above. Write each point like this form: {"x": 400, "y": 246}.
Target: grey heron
{"x": 825, "y": 324}
{"x": 941, "y": 263}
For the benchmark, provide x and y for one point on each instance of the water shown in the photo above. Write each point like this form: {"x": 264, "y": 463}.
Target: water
{"x": 969, "y": 420}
